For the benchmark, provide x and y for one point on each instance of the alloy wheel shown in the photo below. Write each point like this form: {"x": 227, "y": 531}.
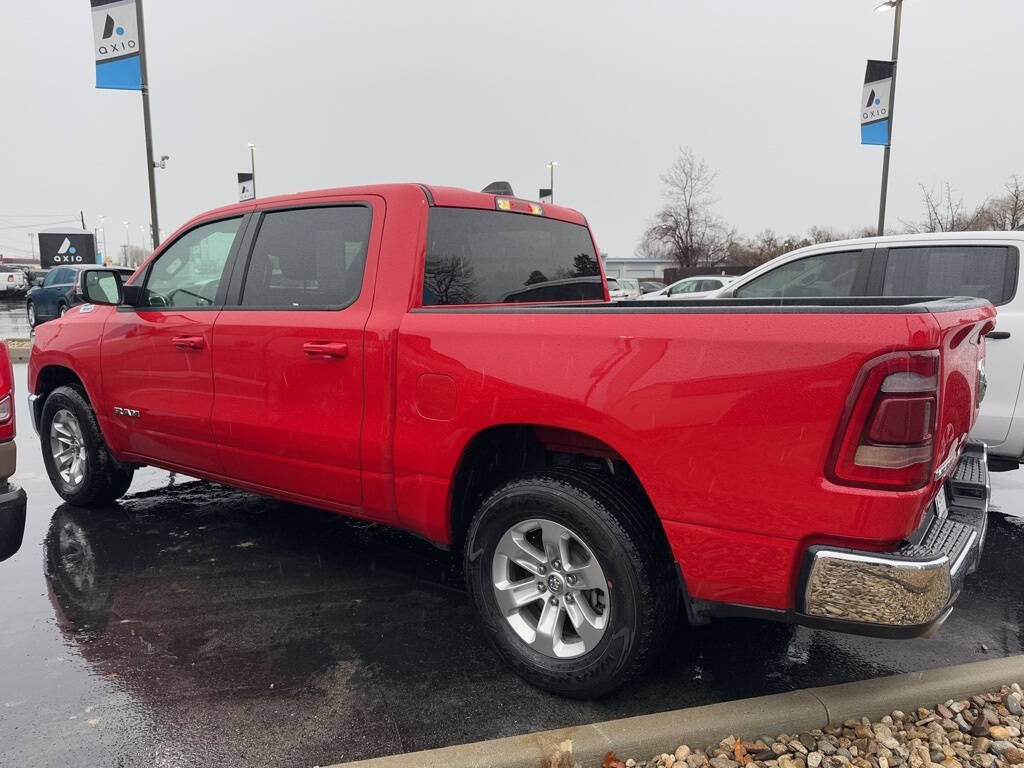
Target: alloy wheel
{"x": 550, "y": 588}
{"x": 67, "y": 447}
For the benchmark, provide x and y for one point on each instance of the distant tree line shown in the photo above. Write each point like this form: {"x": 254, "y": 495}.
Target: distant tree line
{"x": 688, "y": 229}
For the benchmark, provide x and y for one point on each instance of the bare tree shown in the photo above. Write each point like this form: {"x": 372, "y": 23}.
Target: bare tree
{"x": 134, "y": 255}
{"x": 945, "y": 211}
{"x": 449, "y": 279}
{"x": 1006, "y": 212}
{"x": 687, "y": 228}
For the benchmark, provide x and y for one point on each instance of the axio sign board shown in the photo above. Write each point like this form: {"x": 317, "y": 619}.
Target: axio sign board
{"x": 115, "y": 38}
{"x": 876, "y": 103}
{"x": 59, "y": 248}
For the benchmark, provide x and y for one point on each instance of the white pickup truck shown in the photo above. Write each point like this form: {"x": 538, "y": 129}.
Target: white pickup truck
{"x": 983, "y": 264}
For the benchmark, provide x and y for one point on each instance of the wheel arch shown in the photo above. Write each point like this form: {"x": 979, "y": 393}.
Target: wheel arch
{"x": 499, "y": 453}
{"x": 48, "y": 379}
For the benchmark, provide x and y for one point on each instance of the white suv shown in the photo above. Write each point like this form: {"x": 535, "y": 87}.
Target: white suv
{"x": 983, "y": 264}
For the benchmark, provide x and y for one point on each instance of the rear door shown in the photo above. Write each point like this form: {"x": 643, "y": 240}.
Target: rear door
{"x": 987, "y": 270}
{"x": 157, "y": 357}
{"x": 288, "y": 350}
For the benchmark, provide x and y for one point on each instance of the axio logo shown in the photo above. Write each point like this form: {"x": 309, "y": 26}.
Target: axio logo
{"x": 109, "y": 29}
{"x": 871, "y": 98}
{"x": 113, "y": 42}
{"x": 66, "y": 254}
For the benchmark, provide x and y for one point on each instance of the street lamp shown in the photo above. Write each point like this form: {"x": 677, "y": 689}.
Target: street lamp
{"x": 551, "y": 182}
{"x": 897, "y": 5}
{"x": 102, "y": 241}
{"x": 252, "y": 166}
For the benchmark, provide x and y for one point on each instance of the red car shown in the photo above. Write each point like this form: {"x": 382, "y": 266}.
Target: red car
{"x": 448, "y": 362}
{"x": 12, "y": 498}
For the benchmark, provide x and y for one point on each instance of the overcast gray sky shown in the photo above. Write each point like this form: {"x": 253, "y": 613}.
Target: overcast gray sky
{"x": 463, "y": 93}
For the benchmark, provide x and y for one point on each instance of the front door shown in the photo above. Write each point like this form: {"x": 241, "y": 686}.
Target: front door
{"x": 157, "y": 356}
{"x": 288, "y": 351}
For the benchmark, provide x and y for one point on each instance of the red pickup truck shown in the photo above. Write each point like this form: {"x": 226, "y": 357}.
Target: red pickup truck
{"x": 448, "y": 362}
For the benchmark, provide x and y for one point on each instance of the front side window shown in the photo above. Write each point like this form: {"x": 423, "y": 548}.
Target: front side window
{"x": 189, "y": 272}
{"x": 828, "y": 274}
{"x": 308, "y": 257}
{"x": 51, "y": 277}
{"x": 988, "y": 272}
{"x": 486, "y": 257}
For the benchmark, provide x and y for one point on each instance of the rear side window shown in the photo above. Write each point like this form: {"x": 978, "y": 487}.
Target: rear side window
{"x": 828, "y": 274}
{"x": 311, "y": 258}
{"x": 988, "y": 272}
{"x": 488, "y": 257}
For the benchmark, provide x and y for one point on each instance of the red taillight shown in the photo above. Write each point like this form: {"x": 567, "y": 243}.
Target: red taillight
{"x": 886, "y": 438}
{"x": 6, "y": 418}
{"x": 10, "y": 278}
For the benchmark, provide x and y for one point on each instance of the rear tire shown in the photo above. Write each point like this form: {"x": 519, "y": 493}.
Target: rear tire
{"x": 76, "y": 456}
{"x": 62, "y": 309}
{"x": 623, "y": 621}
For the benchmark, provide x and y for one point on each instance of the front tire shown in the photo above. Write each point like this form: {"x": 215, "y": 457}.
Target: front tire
{"x": 30, "y": 310}
{"x": 76, "y": 456}
{"x": 572, "y": 582}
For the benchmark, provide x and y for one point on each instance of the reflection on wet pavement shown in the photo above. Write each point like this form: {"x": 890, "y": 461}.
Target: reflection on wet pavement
{"x": 13, "y": 318}
{"x": 197, "y": 625}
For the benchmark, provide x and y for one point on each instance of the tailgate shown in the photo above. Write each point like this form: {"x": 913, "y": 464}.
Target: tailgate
{"x": 962, "y": 378}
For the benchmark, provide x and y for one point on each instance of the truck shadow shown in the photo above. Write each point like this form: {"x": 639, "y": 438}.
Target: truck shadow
{"x": 223, "y": 599}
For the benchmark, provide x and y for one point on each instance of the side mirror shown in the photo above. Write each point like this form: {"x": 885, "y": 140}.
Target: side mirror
{"x": 102, "y": 286}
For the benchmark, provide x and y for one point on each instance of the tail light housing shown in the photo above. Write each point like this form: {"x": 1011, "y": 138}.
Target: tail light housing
{"x": 886, "y": 438}
{"x": 6, "y": 418}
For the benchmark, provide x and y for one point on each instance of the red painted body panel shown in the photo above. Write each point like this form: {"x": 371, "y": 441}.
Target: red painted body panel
{"x": 727, "y": 418}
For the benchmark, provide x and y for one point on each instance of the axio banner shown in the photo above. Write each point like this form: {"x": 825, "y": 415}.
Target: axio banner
{"x": 246, "y": 189}
{"x": 876, "y": 103}
{"x": 544, "y": 195}
{"x": 115, "y": 37}
{"x": 58, "y": 248}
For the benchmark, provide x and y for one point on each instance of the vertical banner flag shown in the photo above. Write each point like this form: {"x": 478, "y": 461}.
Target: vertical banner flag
{"x": 876, "y": 103}
{"x": 245, "y": 187}
{"x": 115, "y": 36}
{"x": 544, "y": 195}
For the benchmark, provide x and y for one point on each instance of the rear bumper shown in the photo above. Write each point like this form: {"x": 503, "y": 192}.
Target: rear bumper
{"x": 909, "y": 592}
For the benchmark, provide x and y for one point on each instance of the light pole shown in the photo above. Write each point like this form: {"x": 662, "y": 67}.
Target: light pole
{"x": 551, "y": 181}
{"x": 103, "y": 240}
{"x": 252, "y": 166}
{"x": 898, "y": 6}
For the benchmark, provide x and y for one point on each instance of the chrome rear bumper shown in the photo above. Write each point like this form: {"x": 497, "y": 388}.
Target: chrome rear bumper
{"x": 911, "y": 591}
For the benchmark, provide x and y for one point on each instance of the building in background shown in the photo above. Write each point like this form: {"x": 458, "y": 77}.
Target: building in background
{"x": 641, "y": 269}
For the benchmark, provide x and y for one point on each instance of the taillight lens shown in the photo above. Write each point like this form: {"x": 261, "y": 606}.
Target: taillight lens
{"x": 886, "y": 438}
{"x": 6, "y": 418}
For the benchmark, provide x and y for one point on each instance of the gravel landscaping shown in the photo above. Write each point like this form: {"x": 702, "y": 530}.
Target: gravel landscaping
{"x": 983, "y": 731}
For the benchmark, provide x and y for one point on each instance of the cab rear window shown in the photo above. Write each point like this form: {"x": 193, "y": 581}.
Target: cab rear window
{"x": 493, "y": 257}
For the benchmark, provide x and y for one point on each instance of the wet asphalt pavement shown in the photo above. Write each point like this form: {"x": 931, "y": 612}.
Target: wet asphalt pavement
{"x": 195, "y": 625}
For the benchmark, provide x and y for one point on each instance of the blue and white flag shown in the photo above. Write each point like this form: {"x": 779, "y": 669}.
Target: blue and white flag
{"x": 876, "y": 103}
{"x": 115, "y": 34}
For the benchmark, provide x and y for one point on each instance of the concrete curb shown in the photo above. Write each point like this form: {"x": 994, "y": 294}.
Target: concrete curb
{"x": 17, "y": 352}
{"x": 648, "y": 735}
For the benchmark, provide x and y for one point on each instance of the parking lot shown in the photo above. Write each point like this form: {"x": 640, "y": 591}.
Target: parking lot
{"x": 194, "y": 624}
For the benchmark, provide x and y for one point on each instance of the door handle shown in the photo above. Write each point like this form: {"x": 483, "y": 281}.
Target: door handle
{"x": 997, "y": 335}
{"x": 336, "y": 349}
{"x": 188, "y": 342}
